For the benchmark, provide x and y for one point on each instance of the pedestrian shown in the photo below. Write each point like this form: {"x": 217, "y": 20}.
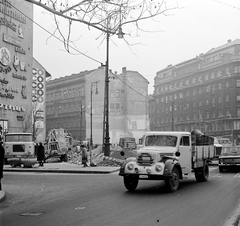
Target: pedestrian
{"x": 2, "y": 154}
{"x": 40, "y": 154}
{"x": 84, "y": 155}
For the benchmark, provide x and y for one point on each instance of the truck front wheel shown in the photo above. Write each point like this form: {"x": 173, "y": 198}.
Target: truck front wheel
{"x": 172, "y": 183}
{"x": 130, "y": 182}
{"x": 202, "y": 174}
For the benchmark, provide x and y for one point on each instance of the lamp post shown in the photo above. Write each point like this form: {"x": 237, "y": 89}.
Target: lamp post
{"x": 96, "y": 92}
{"x": 106, "y": 139}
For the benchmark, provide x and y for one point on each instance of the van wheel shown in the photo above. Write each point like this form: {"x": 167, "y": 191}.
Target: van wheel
{"x": 130, "y": 182}
{"x": 172, "y": 183}
{"x": 202, "y": 174}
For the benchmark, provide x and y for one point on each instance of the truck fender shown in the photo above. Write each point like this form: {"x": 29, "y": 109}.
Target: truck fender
{"x": 131, "y": 159}
{"x": 169, "y": 165}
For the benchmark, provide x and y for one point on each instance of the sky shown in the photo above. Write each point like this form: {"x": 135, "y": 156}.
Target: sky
{"x": 194, "y": 28}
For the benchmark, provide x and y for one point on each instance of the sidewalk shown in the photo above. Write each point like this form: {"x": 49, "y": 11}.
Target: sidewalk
{"x": 63, "y": 167}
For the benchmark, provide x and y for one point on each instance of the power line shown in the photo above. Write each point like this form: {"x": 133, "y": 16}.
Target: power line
{"x": 55, "y": 36}
{"x": 76, "y": 50}
{"x": 223, "y": 3}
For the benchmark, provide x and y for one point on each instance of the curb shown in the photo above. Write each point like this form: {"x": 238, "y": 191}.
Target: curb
{"x": 62, "y": 171}
{"x": 2, "y": 195}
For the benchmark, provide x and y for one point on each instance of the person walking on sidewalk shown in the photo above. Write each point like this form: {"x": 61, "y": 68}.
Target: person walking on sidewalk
{"x": 40, "y": 154}
{"x": 2, "y": 154}
{"x": 84, "y": 155}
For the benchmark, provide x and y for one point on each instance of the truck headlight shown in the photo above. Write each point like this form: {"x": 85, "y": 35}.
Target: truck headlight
{"x": 158, "y": 168}
{"x": 130, "y": 166}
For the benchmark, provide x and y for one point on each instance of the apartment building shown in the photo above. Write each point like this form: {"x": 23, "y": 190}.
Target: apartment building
{"x": 202, "y": 92}
{"x": 73, "y": 101}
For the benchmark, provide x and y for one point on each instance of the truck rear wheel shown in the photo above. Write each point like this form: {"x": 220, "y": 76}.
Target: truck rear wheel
{"x": 130, "y": 182}
{"x": 172, "y": 183}
{"x": 202, "y": 174}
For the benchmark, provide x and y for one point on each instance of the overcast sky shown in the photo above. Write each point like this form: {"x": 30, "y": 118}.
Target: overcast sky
{"x": 194, "y": 28}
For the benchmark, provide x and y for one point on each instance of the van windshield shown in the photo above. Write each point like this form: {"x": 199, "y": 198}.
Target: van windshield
{"x": 161, "y": 140}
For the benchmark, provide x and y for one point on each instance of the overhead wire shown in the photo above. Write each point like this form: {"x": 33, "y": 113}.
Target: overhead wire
{"x": 76, "y": 49}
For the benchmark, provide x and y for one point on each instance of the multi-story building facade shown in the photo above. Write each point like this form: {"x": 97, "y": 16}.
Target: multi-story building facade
{"x": 16, "y": 55}
{"x": 203, "y": 93}
{"x": 73, "y": 101}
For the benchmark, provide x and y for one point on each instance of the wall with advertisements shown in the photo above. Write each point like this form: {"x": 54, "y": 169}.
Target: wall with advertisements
{"x": 39, "y": 75}
{"x": 16, "y": 55}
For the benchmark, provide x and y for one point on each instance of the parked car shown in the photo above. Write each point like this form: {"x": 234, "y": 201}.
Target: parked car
{"x": 229, "y": 158}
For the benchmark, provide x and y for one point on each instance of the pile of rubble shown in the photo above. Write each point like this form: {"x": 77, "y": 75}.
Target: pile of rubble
{"x": 98, "y": 158}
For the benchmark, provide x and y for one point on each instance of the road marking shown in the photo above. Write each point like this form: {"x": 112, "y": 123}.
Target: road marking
{"x": 237, "y": 175}
{"x": 217, "y": 175}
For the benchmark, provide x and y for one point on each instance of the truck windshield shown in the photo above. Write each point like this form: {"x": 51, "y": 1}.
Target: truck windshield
{"x": 18, "y": 138}
{"x": 161, "y": 140}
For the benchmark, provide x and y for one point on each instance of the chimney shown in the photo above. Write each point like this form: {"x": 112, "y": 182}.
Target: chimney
{"x": 229, "y": 40}
{"x": 124, "y": 69}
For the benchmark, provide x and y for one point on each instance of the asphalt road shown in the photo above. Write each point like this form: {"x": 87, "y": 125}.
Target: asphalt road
{"x": 102, "y": 200}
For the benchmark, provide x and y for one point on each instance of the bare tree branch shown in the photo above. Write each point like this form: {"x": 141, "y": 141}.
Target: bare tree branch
{"x": 107, "y": 16}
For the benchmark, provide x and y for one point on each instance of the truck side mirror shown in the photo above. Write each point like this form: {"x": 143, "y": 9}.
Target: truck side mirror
{"x": 177, "y": 153}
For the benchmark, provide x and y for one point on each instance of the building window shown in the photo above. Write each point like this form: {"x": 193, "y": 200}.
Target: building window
{"x": 207, "y": 89}
{"x": 213, "y": 89}
{"x": 194, "y": 92}
{"x": 213, "y": 114}
{"x": 238, "y": 111}
{"x": 219, "y": 74}
{"x": 117, "y": 93}
{"x": 212, "y": 75}
{"x": 227, "y": 98}
{"x": 200, "y": 91}
{"x": 207, "y": 115}
{"x": 200, "y": 79}
{"x": 238, "y": 83}
{"x": 227, "y": 84}
{"x": 227, "y": 112}
{"x": 122, "y": 93}
{"x": 213, "y": 102}
{"x": 207, "y": 102}
{"x": 219, "y": 113}
{"x": 117, "y": 107}
{"x": 219, "y": 86}
{"x": 219, "y": 100}
{"x": 112, "y": 94}
{"x": 206, "y": 77}
{"x": 238, "y": 97}
{"x": 112, "y": 106}
{"x": 237, "y": 69}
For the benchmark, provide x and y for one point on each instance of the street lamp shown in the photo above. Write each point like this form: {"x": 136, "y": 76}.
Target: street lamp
{"x": 96, "y": 92}
{"x": 106, "y": 97}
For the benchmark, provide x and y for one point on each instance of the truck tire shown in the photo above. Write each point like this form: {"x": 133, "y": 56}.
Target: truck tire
{"x": 202, "y": 174}
{"x": 172, "y": 183}
{"x": 130, "y": 182}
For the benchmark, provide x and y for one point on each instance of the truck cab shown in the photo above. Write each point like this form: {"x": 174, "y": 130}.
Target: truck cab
{"x": 19, "y": 149}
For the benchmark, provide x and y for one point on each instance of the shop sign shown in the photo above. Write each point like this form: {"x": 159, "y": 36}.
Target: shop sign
{"x": 11, "y": 108}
